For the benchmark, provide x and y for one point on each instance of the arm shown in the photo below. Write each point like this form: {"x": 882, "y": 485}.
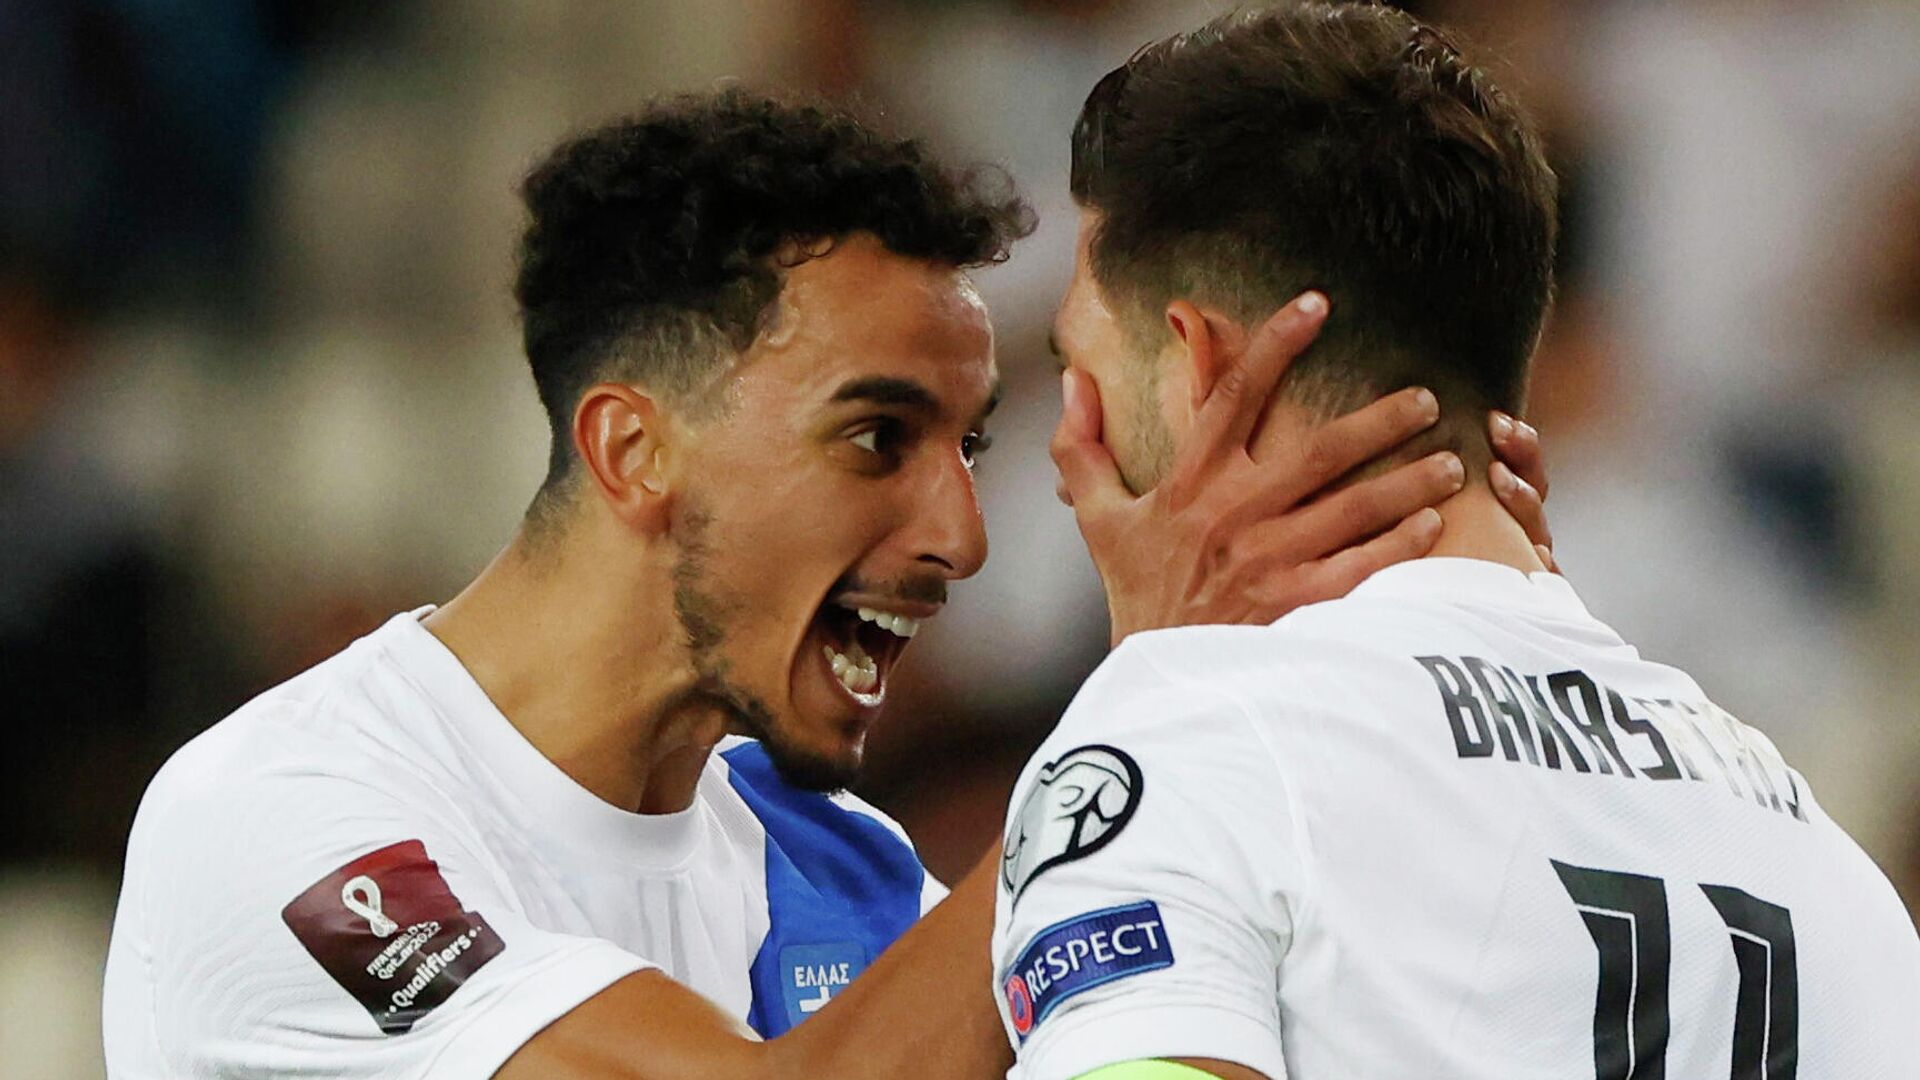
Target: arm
{"x": 300, "y": 910}
{"x": 1139, "y": 915}
{"x": 1225, "y": 1070}
{"x": 1175, "y": 1069}
{"x": 921, "y": 1010}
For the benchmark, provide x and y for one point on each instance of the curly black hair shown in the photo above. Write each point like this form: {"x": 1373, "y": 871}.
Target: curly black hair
{"x": 656, "y": 243}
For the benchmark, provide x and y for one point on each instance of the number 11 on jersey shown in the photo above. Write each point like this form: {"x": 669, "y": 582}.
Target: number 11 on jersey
{"x": 1626, "y": 915}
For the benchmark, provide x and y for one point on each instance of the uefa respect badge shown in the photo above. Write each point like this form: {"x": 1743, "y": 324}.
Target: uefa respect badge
{"x": 1078, "y": 954}
{"x": 392, "y": 934}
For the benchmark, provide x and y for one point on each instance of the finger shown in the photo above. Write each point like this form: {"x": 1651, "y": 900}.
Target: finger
{"x": 1325, "y": 453}
{"x": 1336, "y": 575}
{"x": 1546, "y": 558}
{"x": 1240, "y": 395}
{"x": 1517, "y": 443}
{"x": 1089, "y": 478}
{"x": 1521, "y": 501}
{"x": 1351, "y": 515}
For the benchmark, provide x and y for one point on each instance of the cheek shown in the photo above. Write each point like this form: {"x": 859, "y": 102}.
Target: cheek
{"x": 779, "y": 540}
{"x": 1117, "y": 414}
{"x": 1173, "y": 404}
{"x": 1119, "y": 403}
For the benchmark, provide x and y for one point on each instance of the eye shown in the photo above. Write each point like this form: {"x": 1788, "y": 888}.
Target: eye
{"x": 973, "y": 446}
{"x": 879, "y": 436}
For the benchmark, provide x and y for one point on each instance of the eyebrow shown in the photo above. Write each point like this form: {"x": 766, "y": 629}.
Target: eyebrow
{"x": 885, "y": 390}
{"x": 882, "y": 390}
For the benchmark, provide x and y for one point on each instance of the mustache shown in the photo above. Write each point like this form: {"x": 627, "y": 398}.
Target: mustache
{"x": 924, "y": 590}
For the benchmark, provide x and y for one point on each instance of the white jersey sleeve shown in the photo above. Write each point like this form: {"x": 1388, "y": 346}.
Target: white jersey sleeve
{"x": 298, "y": 923}
{"x": 1108, "y": 945}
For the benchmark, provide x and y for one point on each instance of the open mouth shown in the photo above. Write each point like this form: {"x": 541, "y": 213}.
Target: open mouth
{"x": 860, "y": 644}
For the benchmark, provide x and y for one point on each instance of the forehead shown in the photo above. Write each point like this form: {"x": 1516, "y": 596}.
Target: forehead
{"x": 863, "y": 311}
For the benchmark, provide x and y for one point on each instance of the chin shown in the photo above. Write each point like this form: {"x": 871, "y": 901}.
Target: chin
{"x": 812, "y": 768}
{"x": 829, "y": 763}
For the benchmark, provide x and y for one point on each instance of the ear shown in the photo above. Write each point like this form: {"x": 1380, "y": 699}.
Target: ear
{"x": 621, "y": 435}
{"x": 1209, "y": 341}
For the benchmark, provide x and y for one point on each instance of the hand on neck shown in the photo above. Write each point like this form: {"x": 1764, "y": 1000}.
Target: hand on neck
{"x": 1475, "y": 526}
{"x": 572, "y": 637}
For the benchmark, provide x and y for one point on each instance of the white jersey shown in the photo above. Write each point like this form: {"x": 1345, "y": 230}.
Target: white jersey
{"x": 1447, "y": 827}
{"x": 368, "y": 872}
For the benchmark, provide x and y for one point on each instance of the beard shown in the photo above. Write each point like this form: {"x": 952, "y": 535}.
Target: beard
{"x": 1146, "y": 452}
{"x": 702, "y": 609}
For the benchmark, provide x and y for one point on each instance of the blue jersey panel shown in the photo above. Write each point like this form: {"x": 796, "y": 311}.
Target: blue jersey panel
{"x": 840, "y": 888}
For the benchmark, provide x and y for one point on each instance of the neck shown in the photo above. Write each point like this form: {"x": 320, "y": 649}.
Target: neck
{"x": 579, "y": 649}
{"x": 1475, "y": 526}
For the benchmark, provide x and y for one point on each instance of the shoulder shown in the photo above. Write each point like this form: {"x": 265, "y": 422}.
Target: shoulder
{"x": 298, "y": 780}
{"x": 262, "y": 804}
{"x": 316, "y": 731}
{"x": 268, "y": 748}
{"x": 360, "y": 718}
{"x": 1161, "y": 725}
{"x": 1282, "y": 669}
{"x": 1208, "y": 722}
{"x": 1147, "y": 788}
{"x": 1340, "y": 631}
{"x": 1160, "y": 684}
{"x": 819, "y": 831}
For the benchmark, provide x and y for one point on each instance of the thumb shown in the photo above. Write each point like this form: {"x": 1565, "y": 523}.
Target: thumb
{"x": 1089, "y": 479}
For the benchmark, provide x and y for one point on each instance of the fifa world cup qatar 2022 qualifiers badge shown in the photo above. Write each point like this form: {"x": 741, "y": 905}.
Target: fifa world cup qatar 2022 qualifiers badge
{"x": 392, "y": 934}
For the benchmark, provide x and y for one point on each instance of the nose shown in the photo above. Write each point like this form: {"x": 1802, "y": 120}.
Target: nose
{"x": 947, "y": 530}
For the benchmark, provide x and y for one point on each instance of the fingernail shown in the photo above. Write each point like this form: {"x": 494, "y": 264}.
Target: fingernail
{"x": 1502, "y": 426}
{"x": 1311, "y": 304}
{"x": 1456, "y": 469}
{"x": 1525, "y": 427}
{"x": 1503, "y": 478}
{"x": 1424, "y": 398}
{"x": 1429, "y": 519}
{"x": 1066, "y": 390}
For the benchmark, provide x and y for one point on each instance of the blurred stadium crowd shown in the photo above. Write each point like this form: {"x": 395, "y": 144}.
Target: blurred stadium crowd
{"x": 260, "y": 384}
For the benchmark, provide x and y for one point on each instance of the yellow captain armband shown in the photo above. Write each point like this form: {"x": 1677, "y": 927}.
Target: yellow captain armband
{"x": 1148, "y": 1070}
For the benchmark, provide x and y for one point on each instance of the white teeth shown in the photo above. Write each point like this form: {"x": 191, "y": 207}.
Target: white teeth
{"x": 899, "y": 625}
{"x": 856, "y": 671}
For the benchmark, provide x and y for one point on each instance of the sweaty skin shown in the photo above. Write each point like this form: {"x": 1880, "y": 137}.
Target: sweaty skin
{"x": 784, "y": 324}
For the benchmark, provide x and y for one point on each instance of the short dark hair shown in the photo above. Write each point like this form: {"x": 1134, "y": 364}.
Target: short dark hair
{"x": 656, "y": 242}
{"x": 1345, "y": 147}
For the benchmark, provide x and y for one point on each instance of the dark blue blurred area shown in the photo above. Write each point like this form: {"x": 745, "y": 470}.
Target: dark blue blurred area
{"x": 131, "y": 132}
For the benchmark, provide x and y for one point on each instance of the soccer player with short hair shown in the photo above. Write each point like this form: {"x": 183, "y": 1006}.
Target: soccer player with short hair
{"x": 583, "y": 820}
{"x": 1449, "y": 825}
